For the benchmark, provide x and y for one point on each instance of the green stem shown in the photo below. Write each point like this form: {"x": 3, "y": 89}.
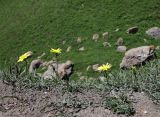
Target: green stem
{"x": 56, "y": 70}
{"x": 26, "y": 66}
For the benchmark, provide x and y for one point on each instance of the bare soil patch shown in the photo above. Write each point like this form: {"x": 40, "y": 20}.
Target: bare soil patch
{"x": 20, "y": 102}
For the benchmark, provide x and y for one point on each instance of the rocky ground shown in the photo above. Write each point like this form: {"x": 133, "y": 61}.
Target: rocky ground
{"x": 20, "y": 102}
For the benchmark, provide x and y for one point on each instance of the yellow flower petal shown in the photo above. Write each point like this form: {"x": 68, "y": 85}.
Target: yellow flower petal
{"x": 105, "y": 67}
{"x": 56, "y": 51}
{"x": 25, "y": 56}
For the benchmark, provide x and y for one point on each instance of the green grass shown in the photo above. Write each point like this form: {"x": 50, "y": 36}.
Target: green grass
{"x": 41, "y": 24}
{"x": 120, "y": 105}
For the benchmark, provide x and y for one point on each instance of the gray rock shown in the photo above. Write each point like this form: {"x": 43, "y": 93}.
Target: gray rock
{"x": 138, "y": 56}
{"x": 95, "y": 37}
{"x": 46, "y": 64}
{"x": 119, "y": 41}
{"x": 106, "y": 44}
{"x": 105, "y": 35}
{"x": 69, "y": 49}
{"x": 50, "y": 73}
{"x": 154, "y": 32}
{"x": 79, "y": 40}
{"x": 121, "y": 48}
{"x": 81, "y": 49}
{"x": 60, "y": 70}
{"x": 95, "y": 67}
{"x": 35, "y": 64}
{"x": 132, "y": 30}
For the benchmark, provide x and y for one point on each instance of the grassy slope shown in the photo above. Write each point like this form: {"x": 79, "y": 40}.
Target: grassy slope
{"x": 41, "y": 24}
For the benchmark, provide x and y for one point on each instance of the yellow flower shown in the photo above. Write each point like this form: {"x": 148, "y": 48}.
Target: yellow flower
{"x": 105, "y": 67}
{"x": 25, "y": 56}
{"x": 56, "y": 51}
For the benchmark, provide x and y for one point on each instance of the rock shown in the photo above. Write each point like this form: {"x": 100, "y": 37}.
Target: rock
{"x": 69, "y": 49}
{"x": 79, "y": 40}
{"x": 106, "y": 44}
{"x": 50, "y": 73}
{"x": 154, "y": 32}
{"x": 121, "y": 48}
{"x": 60, "y": 70}
{"x": 138, "y": 56}
{"x": 132, "y": 30}
{"x": 145, "y": 112}
{"x": 35, "y": 64}
{"x": 119, "y": 41}
{"x": 95, "y": 67}
{"x": 81, "y": 49}
{"x": 46, "y": 64}
{"x": 105, "y": 35}
{"x": 95, "y": 37}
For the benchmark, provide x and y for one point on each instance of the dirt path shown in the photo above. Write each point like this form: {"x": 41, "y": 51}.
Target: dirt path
{"x": 33, "y": 103}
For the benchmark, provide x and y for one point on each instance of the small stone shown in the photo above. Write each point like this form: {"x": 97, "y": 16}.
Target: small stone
{"x": 45, "y": 92}
{"x": 64, "y": 42}
{"x": 35, "y": 64}
{"x": 81, "y": 49}
{"x": 154, "y": 32}
{"x": 95, "y": 37}
{"x": 79, "y": 40}
{"x": 95, "y": 67}
{"x": 46, "y": 64}
{"x": 69, "y": 49}
{"x": 121, "y": 48}
{"x": 119, "y": 41}
{"x": 132, "y": 30}
{"x": 88, "y": 68}
{"x": 106, "y": 44}
{"x": 145, "y": 112}
{"x": 105, "y": 35}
